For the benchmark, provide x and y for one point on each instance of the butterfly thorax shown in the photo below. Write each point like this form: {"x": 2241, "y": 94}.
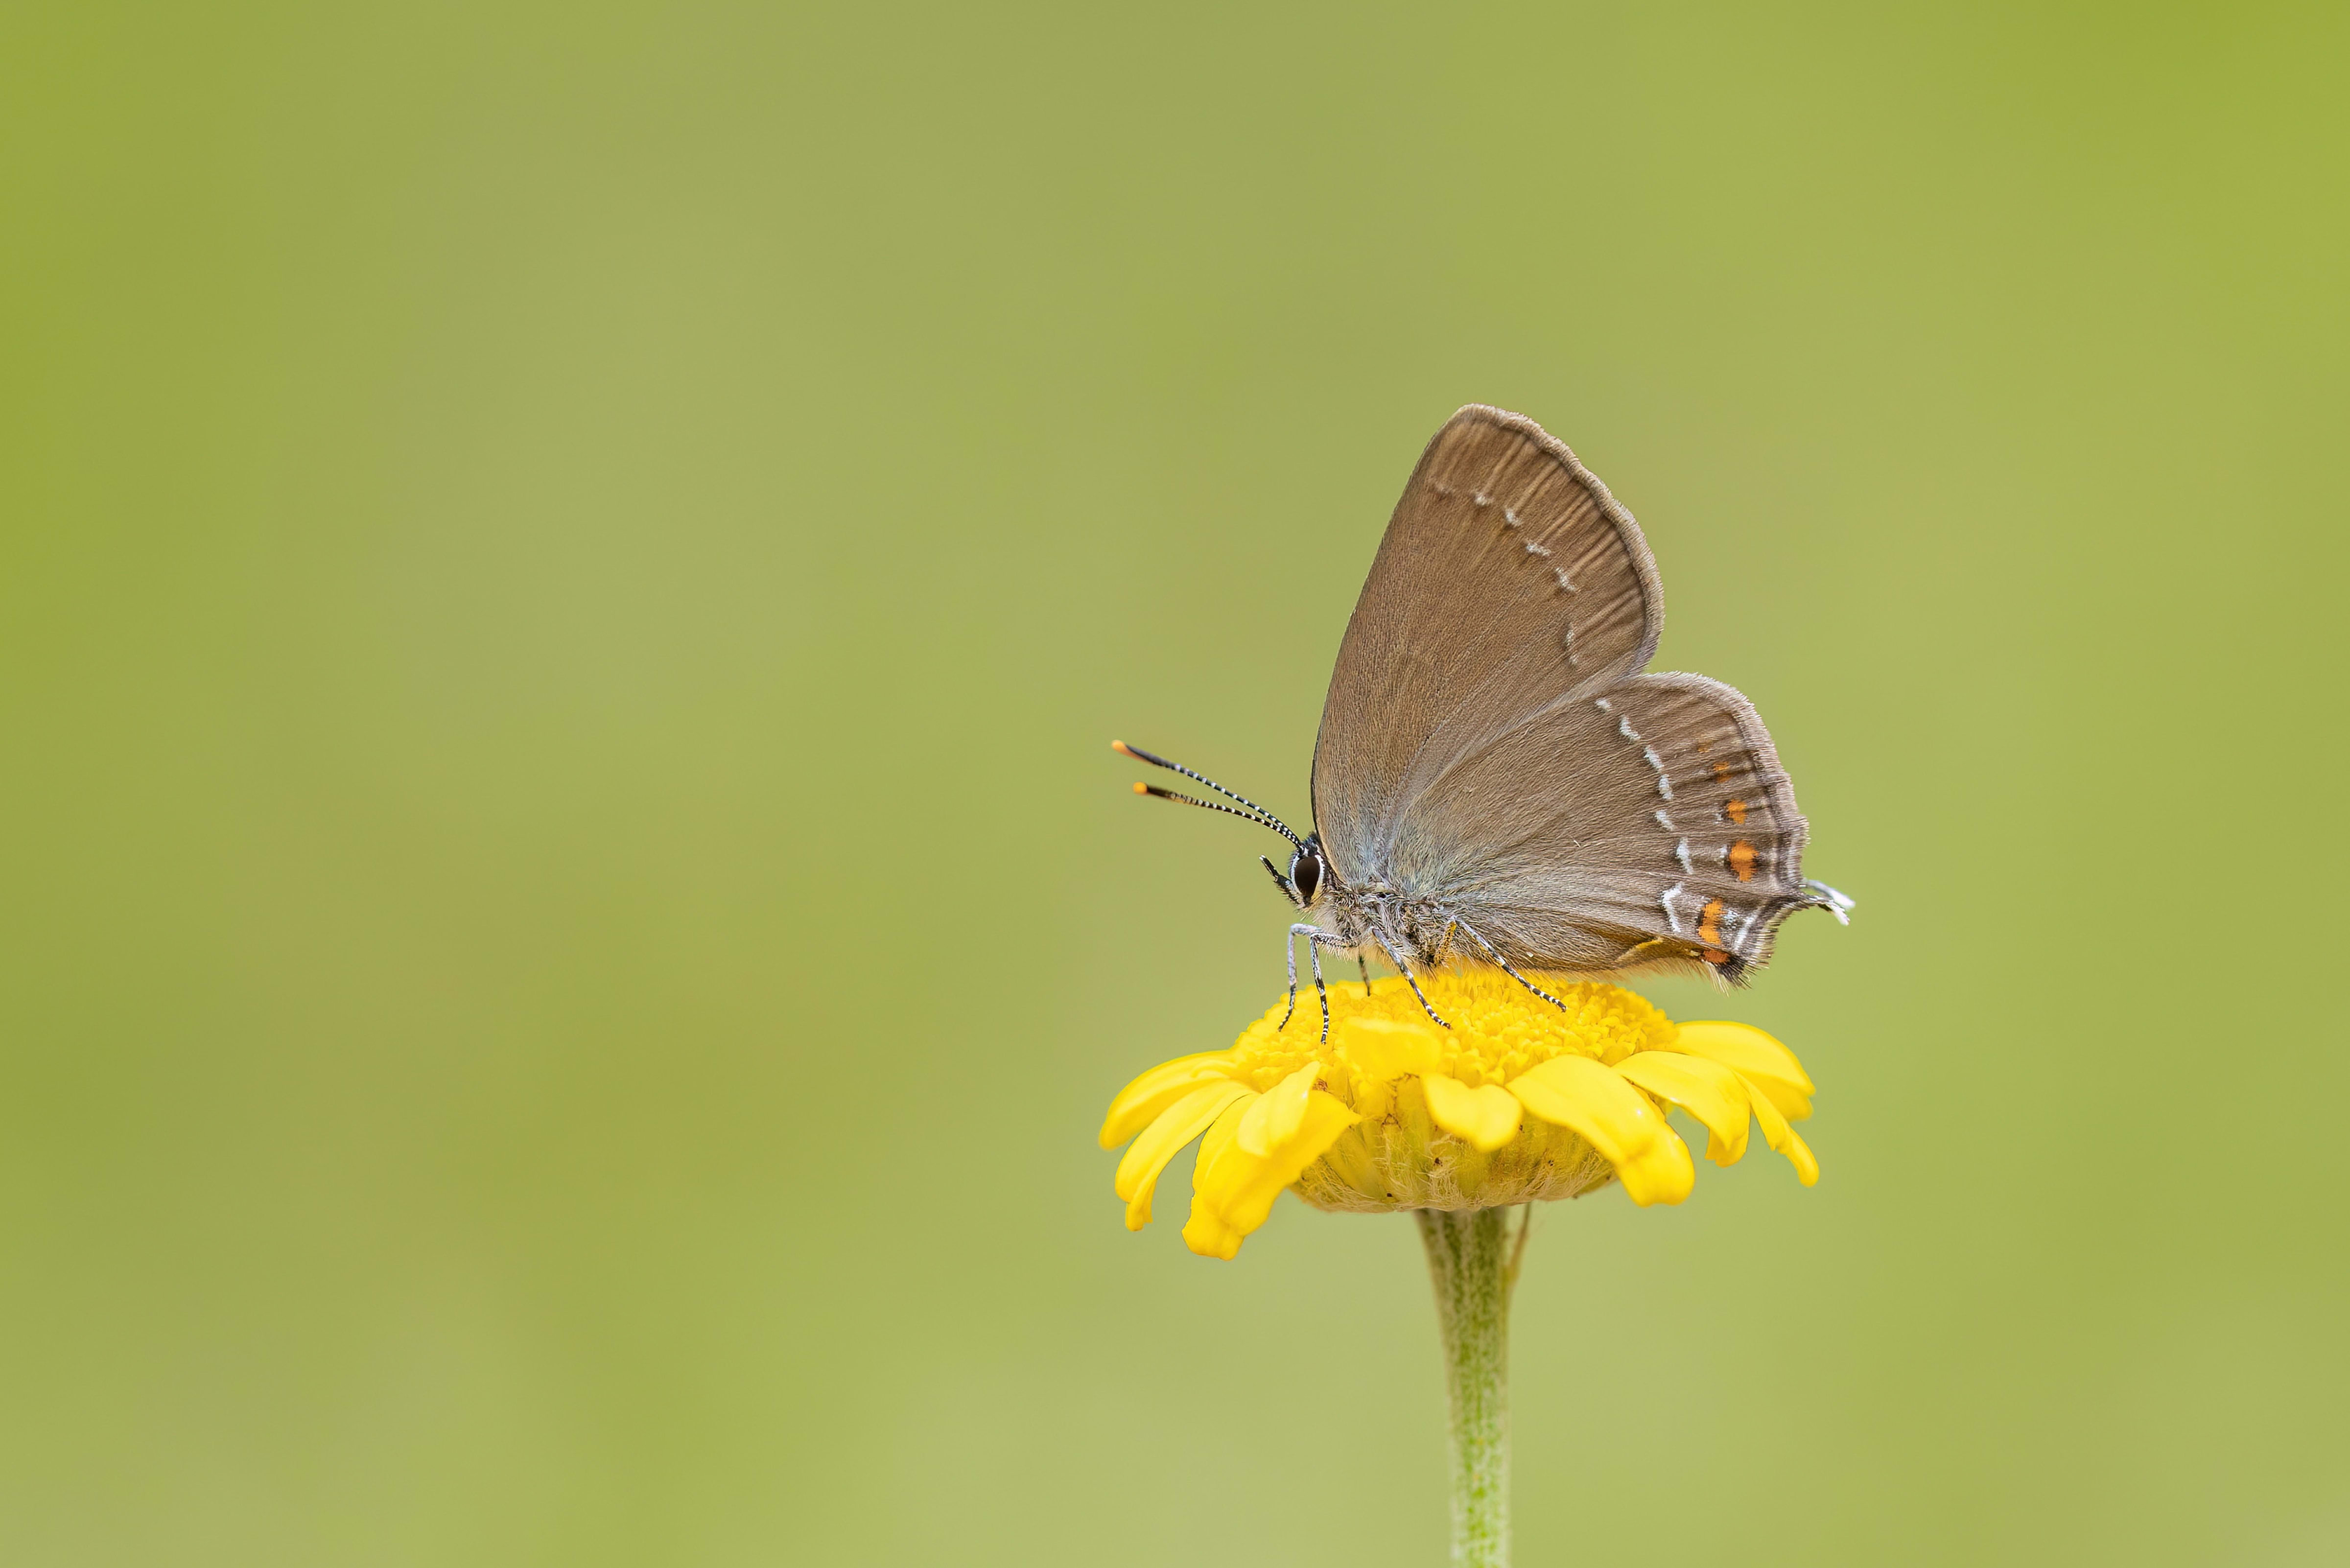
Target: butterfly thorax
{"x": 1376, "y": 921}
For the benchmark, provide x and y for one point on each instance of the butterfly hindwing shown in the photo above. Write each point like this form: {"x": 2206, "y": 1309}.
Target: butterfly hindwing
{"x": 1690, "y": 849}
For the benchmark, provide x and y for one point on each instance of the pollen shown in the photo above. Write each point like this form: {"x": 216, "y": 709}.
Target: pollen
{"x": 1495, "y": 1034}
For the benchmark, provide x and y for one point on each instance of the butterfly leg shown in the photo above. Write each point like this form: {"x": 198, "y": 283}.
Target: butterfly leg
{"x": 1289, "y": 956}
{"x": 1364, "y": 965}
{"x": 1315, "y": 941}
{"x": 1313, "y": 938}
{"x": 1289, "y": 953}
{"x": 1410, "y": 981}
{"x": 1513, "y": 975}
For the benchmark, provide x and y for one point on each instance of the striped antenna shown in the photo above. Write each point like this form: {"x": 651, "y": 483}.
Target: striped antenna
{"x": 1256, "y": 813}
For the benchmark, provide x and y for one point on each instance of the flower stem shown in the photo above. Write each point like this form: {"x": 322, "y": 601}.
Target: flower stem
{"x": 1474, "y": 1264}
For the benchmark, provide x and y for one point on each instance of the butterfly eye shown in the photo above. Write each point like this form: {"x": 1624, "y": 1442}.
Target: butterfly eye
{"x": 1305, "y": 874}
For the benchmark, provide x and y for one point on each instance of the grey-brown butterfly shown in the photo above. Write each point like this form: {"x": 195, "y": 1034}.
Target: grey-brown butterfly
{"x": 1495, "y": 781}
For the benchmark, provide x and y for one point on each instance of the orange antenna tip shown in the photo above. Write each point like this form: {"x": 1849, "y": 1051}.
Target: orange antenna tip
{"x": 1122, "y": 748}
{"x": 1142, "y": 789}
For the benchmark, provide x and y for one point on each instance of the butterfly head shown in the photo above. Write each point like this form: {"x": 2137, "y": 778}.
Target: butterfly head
{"x": 1308, "y": 872}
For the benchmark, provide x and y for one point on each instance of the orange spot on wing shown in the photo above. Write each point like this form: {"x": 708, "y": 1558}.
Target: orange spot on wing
{"x": 1722, "y": 770}
{"x": 1742, "y": 860}
{"x": 1715, "y": 956}
{"x": 1709, "y": 924}
{"x": 1735, "y": 810}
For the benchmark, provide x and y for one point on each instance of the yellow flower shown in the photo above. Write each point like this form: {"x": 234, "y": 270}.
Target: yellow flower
{"x": 1518, "y": 1101}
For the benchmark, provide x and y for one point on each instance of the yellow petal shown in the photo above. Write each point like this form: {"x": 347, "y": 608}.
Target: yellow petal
{"x": 1663, "y": 1174}
{"x": 1274, "y": 1120}
{"x": 1209, "y": 1236}
{"x": 1486, "y": 1116}
{"x": 1217, "y": 1142}
{"x": 1140, "y": 1102}
{"x": 1372, "y": 1101}
{"x": 1382, "y": 1050}
{"x": 1205, "y": 1232}
{"x": 1706, "y": 1089}
{"x": 1781, "y": 1136}
{"x": 1232, "y": 1191}
{"x": 1223, "y": 1167}
{"x": 1756, "y": 1058}
{"x": 1593, "y": 1100}
{"x": 1799, "y": 1153}
{"x": 1246, "y": 1197}
{"x": 1186, "y": 1119}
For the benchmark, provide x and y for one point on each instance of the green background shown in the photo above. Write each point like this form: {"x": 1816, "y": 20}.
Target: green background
{"x": 565, "y": 922}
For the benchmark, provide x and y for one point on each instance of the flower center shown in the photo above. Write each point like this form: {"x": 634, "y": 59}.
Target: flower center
{"x": 1499, "y": 1027}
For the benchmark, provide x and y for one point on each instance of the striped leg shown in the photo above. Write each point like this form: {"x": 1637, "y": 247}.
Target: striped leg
{"x": 1313, "y": 941}
{"x": 1409, "y": 980}
{"x": 1513, "y": 975}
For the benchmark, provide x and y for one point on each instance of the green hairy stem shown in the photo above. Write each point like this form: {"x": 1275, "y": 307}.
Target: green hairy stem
{"x": 1473, "y": 1259}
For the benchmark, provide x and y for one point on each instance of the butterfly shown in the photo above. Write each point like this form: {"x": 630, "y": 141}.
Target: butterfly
{"x": 1496, "y": 781}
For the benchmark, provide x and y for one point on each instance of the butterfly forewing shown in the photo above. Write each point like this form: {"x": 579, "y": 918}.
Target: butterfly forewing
{"x": 1490, "y": 753}
{"x": 1508, "y": 579}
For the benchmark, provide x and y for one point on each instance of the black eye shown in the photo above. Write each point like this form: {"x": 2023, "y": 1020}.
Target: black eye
{"x": 1306, "y": 875}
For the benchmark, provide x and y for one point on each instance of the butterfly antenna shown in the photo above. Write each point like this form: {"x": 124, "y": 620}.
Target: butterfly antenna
{"x": 1154, "y": 791}
{"x": 1256, "y": 813}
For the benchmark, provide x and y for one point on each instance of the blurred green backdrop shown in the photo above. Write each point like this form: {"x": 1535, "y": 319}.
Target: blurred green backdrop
{"x": 568, "y": 921}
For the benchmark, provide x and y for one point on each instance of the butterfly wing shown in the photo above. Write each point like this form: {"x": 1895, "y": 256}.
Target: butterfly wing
{"x": 1649, "y": 823}
{"x": 1508, "y": 579}
{"x": 1490, "y": 750}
